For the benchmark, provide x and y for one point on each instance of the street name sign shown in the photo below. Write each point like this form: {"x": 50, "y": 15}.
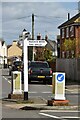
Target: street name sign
{"x": 27, "y": 43}
{"x": 58, "y": 86}
{"x": 36, "y": 43}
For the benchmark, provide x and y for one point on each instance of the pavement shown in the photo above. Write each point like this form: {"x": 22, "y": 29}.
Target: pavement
{"x": 38, "y": 103}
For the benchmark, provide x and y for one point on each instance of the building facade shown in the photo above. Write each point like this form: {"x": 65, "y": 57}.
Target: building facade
{"x": 14, "y": 52}
{"x": 3, "y": 53}
{"x": 70, "y": 37}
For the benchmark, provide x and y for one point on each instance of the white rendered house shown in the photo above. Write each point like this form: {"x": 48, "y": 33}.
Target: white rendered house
{"x": 3, "y": 53}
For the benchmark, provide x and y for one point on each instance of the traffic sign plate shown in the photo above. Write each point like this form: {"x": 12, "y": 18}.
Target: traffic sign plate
{"x": 60, "y": 77}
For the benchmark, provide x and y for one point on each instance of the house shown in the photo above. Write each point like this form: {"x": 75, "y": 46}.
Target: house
{"x": 58, "y": 46}
{"x": 14, "y": 52}
{"x": 70, "y": 37}
{"x": 3, "y": 53}
{"x": 51, "y": 46}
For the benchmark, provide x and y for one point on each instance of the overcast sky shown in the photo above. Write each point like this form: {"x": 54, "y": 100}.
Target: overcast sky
{"x": 48, "y": 16}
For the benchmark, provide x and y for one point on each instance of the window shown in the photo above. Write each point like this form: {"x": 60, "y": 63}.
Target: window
{"x": 67, "y": 54}
{"x": 63, "y": 54}
{"x": 71, "y": 31}
{"x": 62, "y": 33}
{"x": 67, "y": 32}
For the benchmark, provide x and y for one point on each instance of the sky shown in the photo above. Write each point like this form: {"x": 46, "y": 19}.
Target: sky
{"x": 15, "y": 16}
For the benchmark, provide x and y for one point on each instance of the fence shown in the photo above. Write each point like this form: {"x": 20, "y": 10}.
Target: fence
{"x": 70, "y": 66}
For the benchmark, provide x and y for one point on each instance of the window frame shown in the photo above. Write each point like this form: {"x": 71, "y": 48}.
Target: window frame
{"x": 63, "y": 33}
{"x": 67, "y": 32}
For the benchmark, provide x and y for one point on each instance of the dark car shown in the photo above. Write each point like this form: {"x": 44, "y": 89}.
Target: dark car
{"x": 16, "y": 66}
{"x": 40, "y": 70}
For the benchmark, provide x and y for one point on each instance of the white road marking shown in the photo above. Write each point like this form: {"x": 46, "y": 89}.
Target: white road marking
{"x": 69, "y": 117}
{"x": 39, "y": 85}
{"x": 40, "y": 92}
{"x": 59, "y": 111}
{"x": 47, "y": 92}
{"x": 51, "y": 116}
{"x": 32, "y": 92}
{"x": 6, "y": 79}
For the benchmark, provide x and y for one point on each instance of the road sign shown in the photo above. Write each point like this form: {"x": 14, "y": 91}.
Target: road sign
{"x": 60, "y": 77}
{"x": 36, "y": 43}
{"x": 59, "y": 86}
{"x": 27, "y": 43}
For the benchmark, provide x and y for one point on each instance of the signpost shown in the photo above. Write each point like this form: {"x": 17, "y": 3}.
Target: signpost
{"x": 26, "y": 44}
{"x": 59, "y": 86}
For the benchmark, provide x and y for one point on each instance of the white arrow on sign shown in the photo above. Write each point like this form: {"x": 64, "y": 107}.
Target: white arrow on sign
{"x": 36, "y": 43}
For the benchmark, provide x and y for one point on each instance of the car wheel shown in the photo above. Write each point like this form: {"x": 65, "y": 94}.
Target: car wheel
{"x": 29, "y": 81}
{"x": 44, "y": 81}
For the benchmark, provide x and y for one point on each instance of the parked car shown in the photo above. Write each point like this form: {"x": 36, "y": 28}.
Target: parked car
{"x": 16, "y": 66}
{"x": 40, "y": 70}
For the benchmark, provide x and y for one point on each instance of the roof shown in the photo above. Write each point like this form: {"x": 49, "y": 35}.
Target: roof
{"x": 24, "y": 30}
{"x": 8, "y": 46}
{"x": 71, "y": 21}
{"x": 50, "y": 44}
{"x": 2, "y": 41}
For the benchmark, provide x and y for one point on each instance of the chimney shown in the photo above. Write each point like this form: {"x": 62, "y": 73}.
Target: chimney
{"x": 68, "y": 16}
{"x": 14, "y": 42}
{"x": 46, "y": 37}
{"x": 39, "y": 36}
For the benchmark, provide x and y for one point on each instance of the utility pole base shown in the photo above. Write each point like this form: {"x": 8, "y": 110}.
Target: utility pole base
{"x": 25, "y": 95}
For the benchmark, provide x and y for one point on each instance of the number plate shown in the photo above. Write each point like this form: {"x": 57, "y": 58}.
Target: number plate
{"x": 41, "y": 76}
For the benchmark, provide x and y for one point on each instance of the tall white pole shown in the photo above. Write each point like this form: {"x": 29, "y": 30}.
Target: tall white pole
{"x": 25, "y": 70}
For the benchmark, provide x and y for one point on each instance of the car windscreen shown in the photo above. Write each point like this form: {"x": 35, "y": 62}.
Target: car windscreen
{"x": 39, "y": 65}
{"x": 18, "y": 63}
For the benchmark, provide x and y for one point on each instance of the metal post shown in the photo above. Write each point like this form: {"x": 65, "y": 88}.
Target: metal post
{"x": 33, "y": 34}
{"x": 25, "y": 70}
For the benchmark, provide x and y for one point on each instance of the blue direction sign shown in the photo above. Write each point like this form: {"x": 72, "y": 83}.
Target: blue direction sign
{"x": 60, "y": 77}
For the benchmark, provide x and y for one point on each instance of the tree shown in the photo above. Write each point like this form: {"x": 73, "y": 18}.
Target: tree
{"x": 69, "y": 45}
{"x": 48, "y": 55}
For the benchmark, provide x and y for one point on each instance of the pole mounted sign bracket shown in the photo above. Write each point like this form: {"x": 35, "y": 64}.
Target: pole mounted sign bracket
{"x": 27, "y": 43}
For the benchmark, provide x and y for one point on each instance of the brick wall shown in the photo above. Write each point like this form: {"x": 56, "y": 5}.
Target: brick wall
{"x": 77, "y": 35}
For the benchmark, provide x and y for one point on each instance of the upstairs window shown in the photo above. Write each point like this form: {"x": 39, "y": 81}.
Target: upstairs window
{"x": 72, "y": 31}
{"x": 63, "y": 33}
{"x": 67, "y": 32}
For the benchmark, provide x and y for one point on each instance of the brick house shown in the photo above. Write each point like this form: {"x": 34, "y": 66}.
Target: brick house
{"x": 51, "y": 45}
{"x": 70, "y": 32}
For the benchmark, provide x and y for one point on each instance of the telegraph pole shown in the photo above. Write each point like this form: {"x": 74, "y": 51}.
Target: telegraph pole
{"x": 33, "y": 35}
{"x": 33, "y": 26}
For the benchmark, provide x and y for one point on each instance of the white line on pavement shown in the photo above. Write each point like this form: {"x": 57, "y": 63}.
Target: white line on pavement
{"x": 39, "y": 85}
{"x": 33, "y": 92}
{"x": 6, "y": 79}
{"x": 51, "y": 116}
{"x": 40, "y": 92}
{"x": 69, "y": 117}
{"x": 59, "y": 111}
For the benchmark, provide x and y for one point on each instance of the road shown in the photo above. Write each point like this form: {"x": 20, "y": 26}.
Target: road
{"x": 38, "y": 90}
{"x": 55, "y": 114}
